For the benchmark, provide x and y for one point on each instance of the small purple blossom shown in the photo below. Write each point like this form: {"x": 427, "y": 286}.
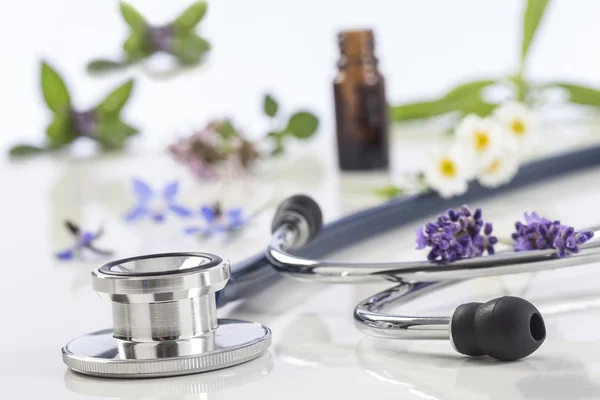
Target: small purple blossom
{"x": 456, "y": 235}
{"x": 162, "y": 37}
{"x": 156, "y": 205}
{"x": 217, "y": 220}
{"x": 200, "y": 151}
{"x": 83, "y": 240}
{"x": 206, "y": 148}
{"x": 540, "y": 233}
{"x": 85, "y": 122}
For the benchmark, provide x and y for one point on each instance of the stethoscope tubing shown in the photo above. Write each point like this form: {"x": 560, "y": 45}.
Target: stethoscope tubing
{"x": 257, "y": 273}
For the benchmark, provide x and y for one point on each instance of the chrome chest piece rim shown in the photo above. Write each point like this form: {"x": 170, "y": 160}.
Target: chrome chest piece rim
{"x": 164, "y": 320}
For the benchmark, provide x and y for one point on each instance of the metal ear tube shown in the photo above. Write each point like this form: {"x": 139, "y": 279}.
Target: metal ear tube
{"x": 164, "y": 320}
{"x": 507, "y": 328}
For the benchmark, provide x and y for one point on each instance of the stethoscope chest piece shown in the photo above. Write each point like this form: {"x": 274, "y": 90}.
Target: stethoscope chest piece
{"x": 164, "y": 320}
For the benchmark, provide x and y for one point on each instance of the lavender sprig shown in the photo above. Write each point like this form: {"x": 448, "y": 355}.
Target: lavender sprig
{"x": 456, "y": 235}
{"x": 540, "y": 233}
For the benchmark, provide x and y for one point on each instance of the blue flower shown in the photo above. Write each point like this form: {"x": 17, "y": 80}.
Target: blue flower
{"x": 84, "y": 240}
{"x": 156, "y": 205}
{"x": 218, "y": 221}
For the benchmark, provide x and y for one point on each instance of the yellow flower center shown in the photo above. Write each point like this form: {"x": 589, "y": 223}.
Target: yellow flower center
{"x": 482, "y": 140}
{"x": 447, "y": 168}
{"x": 518, "y": 127}
{"x": 493, "y": 167}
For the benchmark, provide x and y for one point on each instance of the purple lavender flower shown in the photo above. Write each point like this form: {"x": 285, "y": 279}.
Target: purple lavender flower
{"x": 540, "y": 233}
{"x": 457, "y": 234}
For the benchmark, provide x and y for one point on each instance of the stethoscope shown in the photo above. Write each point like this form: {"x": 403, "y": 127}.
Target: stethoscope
{"x": 164, "y": 306}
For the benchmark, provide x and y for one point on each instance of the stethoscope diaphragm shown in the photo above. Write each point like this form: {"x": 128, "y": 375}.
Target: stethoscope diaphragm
{"x": 164, "y": 320}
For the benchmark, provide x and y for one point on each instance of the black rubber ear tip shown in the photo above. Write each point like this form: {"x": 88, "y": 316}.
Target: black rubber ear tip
{"x": 507, "y": 328}
{"x": 304, "y": 206}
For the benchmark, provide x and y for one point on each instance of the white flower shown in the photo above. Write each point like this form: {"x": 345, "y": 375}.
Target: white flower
{"x": 448, "y": 173}
{"x": 498, "y": 169}
{"x": 479, "y": 137}
{"x": 519, "y": 124}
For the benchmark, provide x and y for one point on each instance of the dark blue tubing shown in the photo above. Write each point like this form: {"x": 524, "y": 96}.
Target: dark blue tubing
{"x": 255, "y": 274}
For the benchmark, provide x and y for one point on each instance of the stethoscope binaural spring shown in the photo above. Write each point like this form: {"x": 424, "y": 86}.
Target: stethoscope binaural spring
{"x": 506, "y": 328}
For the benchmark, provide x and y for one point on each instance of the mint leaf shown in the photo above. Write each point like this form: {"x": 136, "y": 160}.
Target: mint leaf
{"x": 137, "y": 46}
{"x": 190, "y": 48}
{"x": 270, "y": 106}
{"x": 133, "y": 18}
{"x": 23, "y": 150}
{"x": 99, "y": 66}
{"x": 580, "y": 94}
{"x": 532, "y": 16}
{"x": 114, "y": 102}
{"x": 54, "y": 90}
{"x": 190, "y": 17}
{"x": 302, "y": 125}
{"x": 112, "y": 133}
{"x": 60, "y": 131}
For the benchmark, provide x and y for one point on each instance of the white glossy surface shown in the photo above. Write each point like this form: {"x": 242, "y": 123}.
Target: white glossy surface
{"x": 316, "y": 350}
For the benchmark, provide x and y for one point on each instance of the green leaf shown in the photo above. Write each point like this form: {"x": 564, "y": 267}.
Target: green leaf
{"x": 61, "y": 131}
{"x": 24, "y": 150}
{"x": 137, "y": 46}
{"x": 580, "y": 94}
{"x": 190, "y": 48}
{"x": 133, "y": 18}
{"x": 100, "y": 66}
{"x": 389, "y": 192}
{"x": 54, "y": 89}
{"x": 532, "y": 16}
{"x": 468, "y": 89}
{"x": 112, "y": 133}
{"x": 190, "y": 17}
{"x": 302, "y": 125}
{"x": 465, "y": 98}
{"x": 114, "y": 102}
{"x": 270, "y": 106}
{"x": 226, "y": 129}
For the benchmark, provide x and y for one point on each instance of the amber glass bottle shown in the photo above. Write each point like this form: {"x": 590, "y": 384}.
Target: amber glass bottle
{"x": 360, "y": 104}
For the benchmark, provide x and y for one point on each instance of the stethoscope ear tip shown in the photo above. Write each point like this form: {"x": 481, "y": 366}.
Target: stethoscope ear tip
{"x": 301, "y": 206}
{"x": 507, "y": 328}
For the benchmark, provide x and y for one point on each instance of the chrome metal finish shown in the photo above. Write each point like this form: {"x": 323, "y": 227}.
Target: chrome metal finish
{"x": 164, "y": 320}
{"x": 414, "y": 278}
{"x": 369, "y": 318}
{"x": 424, "y": 271}
{"x": 291, "y": 222}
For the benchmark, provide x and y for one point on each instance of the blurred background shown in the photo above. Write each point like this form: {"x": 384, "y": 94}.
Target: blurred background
{"x": 289, "y": 48}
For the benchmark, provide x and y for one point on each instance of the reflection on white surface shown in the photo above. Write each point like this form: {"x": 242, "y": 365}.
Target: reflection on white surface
{"x": 559, "y": 376}
{"x": 209, "y": 385}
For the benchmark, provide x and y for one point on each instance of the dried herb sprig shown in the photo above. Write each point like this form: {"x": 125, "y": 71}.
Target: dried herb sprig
{"x": 221, "y": 141}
